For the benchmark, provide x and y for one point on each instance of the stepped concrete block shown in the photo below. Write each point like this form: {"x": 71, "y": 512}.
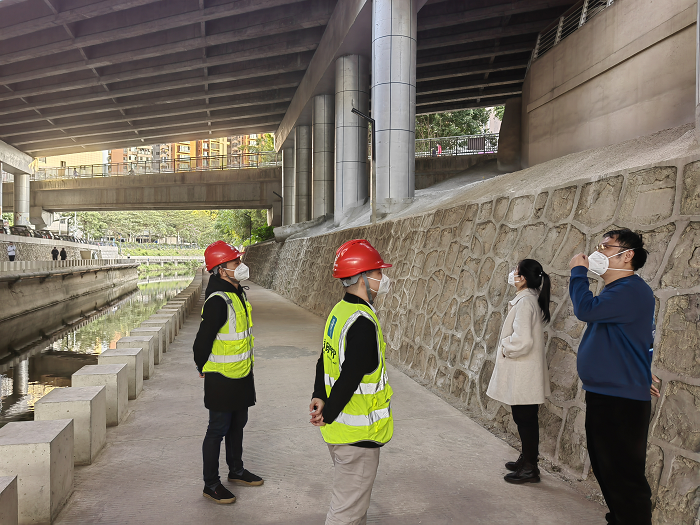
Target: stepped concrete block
{"x": 176, "y": 317}
{"x": 177, "y": 310}
{"x": 133, "y": 359}
{"x": 40, "y": 454}
{"x": 8, "y": 500}
{"x": 158, "y": 332}
{"x": 172, "y": 323}
{"x": 87, "y": 407}
{"x": 164, "y": 330}
{"x": 116, "y": 381}
{"x": 148, "y": 344}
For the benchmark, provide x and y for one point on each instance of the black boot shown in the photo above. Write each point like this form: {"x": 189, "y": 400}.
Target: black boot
{"x": 515, "y": 465}
{"x": 527, "y": 473}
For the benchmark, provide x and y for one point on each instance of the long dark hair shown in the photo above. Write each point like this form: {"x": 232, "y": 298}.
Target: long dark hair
{"x": 536, "y": 279}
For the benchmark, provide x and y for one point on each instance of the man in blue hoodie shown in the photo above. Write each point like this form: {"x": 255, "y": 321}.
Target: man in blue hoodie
{"x": 615, "y": 369}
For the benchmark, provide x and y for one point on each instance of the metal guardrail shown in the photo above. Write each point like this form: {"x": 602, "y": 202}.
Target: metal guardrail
{"x": 39, "y": 266}
{"x": 462, "y": 145}
{"x": 265, "y": 159}
{"x": 439, "y": 146}
{"x": 566, "y": 24}
{"x": 153, "y": 259}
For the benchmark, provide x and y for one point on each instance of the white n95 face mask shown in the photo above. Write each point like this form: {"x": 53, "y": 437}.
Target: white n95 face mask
{"x": 241, "y": 273}
{"x": 511, "y": 279}
{"x": 384, "y": 283}
{"x": 599, "y": 263}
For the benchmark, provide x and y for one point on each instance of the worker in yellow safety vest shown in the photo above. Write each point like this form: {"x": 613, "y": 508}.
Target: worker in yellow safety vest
{"x": 223, "y": 353}
{"x": 352, "y": 397}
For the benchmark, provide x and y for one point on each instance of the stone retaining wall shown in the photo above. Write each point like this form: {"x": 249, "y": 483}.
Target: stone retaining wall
{"x": 34, "y": 249}
{"x": 449, "y": 297}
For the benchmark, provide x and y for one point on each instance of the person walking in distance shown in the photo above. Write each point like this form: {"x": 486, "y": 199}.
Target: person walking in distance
{"x": 63, "y": 254}
{"x": 11, "y": 251}
{"x": 521, "y": 378}
{"x": 54, "y": 254}
{"x": 615, "y": 368}
{"x": 223, "y": 353}
{"x": 351, "y": 399}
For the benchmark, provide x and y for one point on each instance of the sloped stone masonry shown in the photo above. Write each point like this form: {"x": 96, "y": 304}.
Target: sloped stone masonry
{"x": 449, "y": 297}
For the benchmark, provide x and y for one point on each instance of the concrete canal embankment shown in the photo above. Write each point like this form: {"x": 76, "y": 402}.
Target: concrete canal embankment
{"x": 39, "y": 298}
{"x": 38, "y": 458}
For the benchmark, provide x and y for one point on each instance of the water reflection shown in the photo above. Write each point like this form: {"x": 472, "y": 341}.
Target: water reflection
{"x": 32, "y": 378}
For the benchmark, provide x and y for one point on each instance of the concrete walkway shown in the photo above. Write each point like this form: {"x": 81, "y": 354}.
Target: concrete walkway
{"x": 440, "y": 467}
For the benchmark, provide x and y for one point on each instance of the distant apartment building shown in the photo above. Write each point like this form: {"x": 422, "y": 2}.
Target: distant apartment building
{"x": 78, "y": 163}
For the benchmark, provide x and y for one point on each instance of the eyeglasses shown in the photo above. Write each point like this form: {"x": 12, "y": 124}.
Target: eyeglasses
{"x": 603, "y": 246}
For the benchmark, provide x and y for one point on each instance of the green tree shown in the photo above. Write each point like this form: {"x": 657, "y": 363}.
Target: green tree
{"x": 264, "y": 142}
{"x": 92, "y": 223}
{"x": 10, "y": 217}
{"x": 452, "y": 124}
{"x": 236, "y": 225}
{"x": 499, "y": 110}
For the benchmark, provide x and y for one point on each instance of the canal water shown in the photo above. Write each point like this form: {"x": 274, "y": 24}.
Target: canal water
{"x": 34, "y": 377}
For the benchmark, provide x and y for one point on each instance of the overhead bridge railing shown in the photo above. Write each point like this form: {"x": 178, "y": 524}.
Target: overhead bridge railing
{"x": 265, "y": 159}
{"x": 566, "y": 24}
{"x": 462, "y": 145}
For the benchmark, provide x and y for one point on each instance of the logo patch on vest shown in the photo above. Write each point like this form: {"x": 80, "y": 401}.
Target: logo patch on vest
{"x": 331, "y": 326}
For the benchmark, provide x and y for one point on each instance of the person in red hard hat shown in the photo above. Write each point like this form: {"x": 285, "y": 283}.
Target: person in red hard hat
{"x": 223, "y": 353}
{"x": 351, "y": 398}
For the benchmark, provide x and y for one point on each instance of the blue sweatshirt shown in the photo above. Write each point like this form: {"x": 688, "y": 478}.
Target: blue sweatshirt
{"x": 613, "y": 357}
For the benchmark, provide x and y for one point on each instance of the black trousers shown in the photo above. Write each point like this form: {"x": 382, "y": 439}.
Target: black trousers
{"x": 525, "y": 417}
{"x": 616, "y": 433}
{"x": 226, "y": 426}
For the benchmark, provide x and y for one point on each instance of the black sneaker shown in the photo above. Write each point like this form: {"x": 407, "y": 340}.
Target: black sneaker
{"x": 246, "y": 478}
{"x": 220, "y": 494}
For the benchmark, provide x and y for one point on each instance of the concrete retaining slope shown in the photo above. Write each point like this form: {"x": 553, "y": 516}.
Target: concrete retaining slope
{"x": 33, "y": 304}
{"x": 449, "y": 297}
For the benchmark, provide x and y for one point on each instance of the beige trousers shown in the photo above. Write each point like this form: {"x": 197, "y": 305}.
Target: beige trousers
{"x": 353, "y": 477}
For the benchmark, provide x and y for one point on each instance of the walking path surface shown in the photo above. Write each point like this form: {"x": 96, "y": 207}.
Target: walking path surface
{"x": 440, "y": 468}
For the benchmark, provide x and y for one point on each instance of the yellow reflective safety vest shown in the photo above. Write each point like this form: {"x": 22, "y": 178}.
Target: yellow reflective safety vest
{"x": 367, "y": 416}
{"x": 232, "y": 351}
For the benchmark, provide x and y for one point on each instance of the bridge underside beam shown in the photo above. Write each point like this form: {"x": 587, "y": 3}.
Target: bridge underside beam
{"x": 217, "y": 189}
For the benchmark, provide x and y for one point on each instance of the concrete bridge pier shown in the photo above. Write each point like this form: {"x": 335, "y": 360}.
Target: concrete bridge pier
{"x": 302, "y": 173}
{"x": 322, "y": 145}
{"x": 394, "y": 35}
{"x": 288, "y": 214}
{"x": 351, "y": 91}
{"x": 21, "y": 189}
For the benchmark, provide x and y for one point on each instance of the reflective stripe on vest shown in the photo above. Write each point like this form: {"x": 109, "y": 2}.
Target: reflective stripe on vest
{"x": 232, "y": 351}
{"x": 367, "y": 416}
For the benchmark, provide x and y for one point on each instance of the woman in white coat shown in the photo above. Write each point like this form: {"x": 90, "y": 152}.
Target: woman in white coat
{"x": 521, "y": 378}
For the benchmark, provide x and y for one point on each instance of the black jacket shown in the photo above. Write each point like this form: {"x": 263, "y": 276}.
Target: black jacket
{"x": 361, "y": 358}
{"x": 221, "y": 393}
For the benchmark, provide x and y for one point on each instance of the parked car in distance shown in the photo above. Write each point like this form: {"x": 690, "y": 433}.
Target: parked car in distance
{"x": 22, "y": 231}
{"x": 46, "y": 234}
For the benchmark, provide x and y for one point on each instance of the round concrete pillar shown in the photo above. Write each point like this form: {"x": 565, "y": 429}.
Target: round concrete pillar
{"x": 21, "y": 189}
{"x": 322, "y": 160}
{"x": 394, "y": 33}
{"x": 302, "y": 173}
{"x": 351, "y": 91}
{"x": 2, "y": 179}
{"x": 288, "y": 186}
{"x": 20, "y": 378}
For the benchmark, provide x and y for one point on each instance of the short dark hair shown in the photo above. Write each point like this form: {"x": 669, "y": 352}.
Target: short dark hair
{"x": 631, "y": 241}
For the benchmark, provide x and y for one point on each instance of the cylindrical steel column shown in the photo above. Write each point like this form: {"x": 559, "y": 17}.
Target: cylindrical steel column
{"x": 21, "y": 188}
{"x": 394, "y": 33}
{"x": 322, "y": 160}
{"x": 351, "y": 91}
{"x": 288, "y": 186}
{"x": 302, "y": 173}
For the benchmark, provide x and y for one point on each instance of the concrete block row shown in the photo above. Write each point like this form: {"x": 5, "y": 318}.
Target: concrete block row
{"x": 37, "y": 457}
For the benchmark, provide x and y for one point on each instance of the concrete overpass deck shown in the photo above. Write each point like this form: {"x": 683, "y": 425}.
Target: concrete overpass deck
{"x": 440, "y": 467}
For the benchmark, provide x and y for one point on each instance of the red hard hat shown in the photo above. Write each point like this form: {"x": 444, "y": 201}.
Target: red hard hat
{"x": 355, "y": 257}
{"x": 218, "y": 253}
